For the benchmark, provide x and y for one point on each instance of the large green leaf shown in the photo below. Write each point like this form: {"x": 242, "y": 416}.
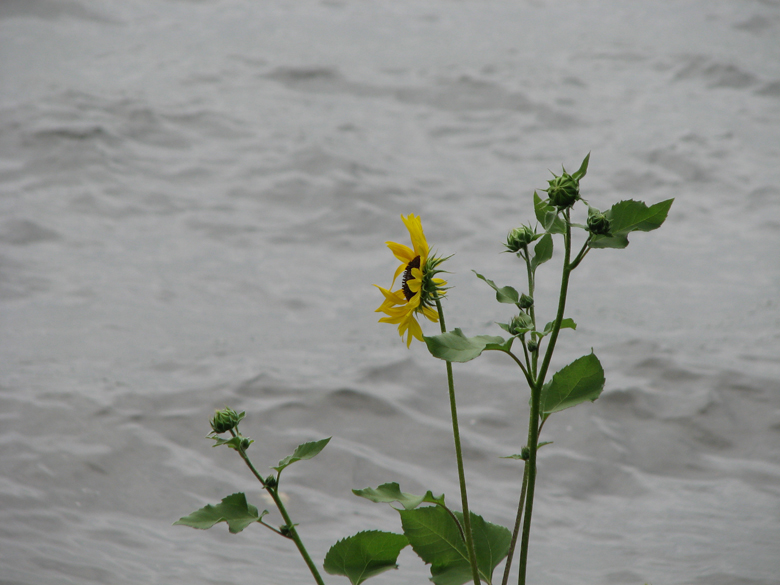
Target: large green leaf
{"x": 504, "y": 294}
{"x": 435, "y": 537}
{"x": 631, "y": 216}
{"x": 233, "y": 509}
{"x": 304, "y": 451}
{"x": 548, "y": 216}
{"x": 391, "y": 492}
{"x": 364, "y": 555}
{"x": 581, "y": 380}
{"x": 454, "y": 346}
{"x": 543, "y": 251}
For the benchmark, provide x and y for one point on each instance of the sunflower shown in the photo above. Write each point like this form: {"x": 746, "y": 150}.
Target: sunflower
{"x": 419, "y": 287}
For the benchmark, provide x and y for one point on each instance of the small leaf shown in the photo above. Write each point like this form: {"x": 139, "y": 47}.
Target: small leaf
{"x": 391, "y": 492}
{"x": 233, "y": 442}
{"x": 365, "y": 555}
{"x": 548, "y": 216}
{"x": 583, "y": 168}
{"x": 304, "y": 451}
{"x": 233, "y": 509}
{"x": 631, "y": 216}
{"x": 454, "y": 346}
{"x": 565, "y": 324}
{"x": 581, "y": 380}
{"x": 543, "y": 251}
{"x": 436, "y": 539}
{"x": 505, "y": 294}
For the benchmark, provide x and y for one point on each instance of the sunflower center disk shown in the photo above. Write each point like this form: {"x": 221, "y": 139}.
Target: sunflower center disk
{"x": 408, "y": 276}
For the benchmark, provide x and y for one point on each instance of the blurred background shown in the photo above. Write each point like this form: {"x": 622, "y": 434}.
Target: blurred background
{"x": 194, "y": 200}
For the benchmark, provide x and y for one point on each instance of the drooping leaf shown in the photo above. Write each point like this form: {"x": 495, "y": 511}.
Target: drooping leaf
{"x": 581, "y": 380}
{"x": 631, "y": 216}
{"x": 233, "y": 509}
{"x": 454, "y": 346}
{"x": 548, "y": 216}
{"x": 504, "y": 294}
{"x": 565, "y": 324}
{"x": 304, "y": 451}
{"x": 543, "y": 251}
{"x": 391, "y": 492}
{"x": 436, "y": 539}
{"x": 365, "y": 555}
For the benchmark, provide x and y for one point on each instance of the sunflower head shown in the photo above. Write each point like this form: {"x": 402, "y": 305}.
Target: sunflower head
{"x": 420, "y": 288}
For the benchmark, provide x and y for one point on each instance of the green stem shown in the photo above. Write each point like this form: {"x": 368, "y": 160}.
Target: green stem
{"x": 535, "y": 336}
{"x": 516, "y": 531}
{"x": 536, "y": 397}
{"x": 459, "y": 455}
{"x": 293, "y": 533}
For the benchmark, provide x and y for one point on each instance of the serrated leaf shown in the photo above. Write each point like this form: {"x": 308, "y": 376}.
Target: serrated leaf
{"x": 388, "y": 493}
{"x": 304, "y": 451}
{"x": 233, "y": 509}
{"x": 504, "y": 294}
{"x": 454, "y": 346}
{"x": 365, "y": 555}
{"x": 543, "y": 251}
{"x": 547, "y": 215}
{"x": 581, "y": 380}
{"x": 565, "y": 324}
{"x": 631, "y": 216}
{"x": 436, "y": 539}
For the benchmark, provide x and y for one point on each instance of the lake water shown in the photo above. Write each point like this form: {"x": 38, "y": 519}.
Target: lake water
{"x": 195, "y": 200}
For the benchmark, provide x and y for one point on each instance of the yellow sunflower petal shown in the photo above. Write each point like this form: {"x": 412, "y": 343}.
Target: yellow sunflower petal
{"x": 403, "y": 253}
{"x": 420, "y": 244}
{"x": 431, "y": 314}
{"x": 414, "y": 330}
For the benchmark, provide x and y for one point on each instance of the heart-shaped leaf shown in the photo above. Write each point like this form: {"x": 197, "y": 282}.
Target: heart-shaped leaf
{"x": 364, "y": 555}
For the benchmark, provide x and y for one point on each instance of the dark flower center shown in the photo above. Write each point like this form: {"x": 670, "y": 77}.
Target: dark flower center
{"x": 408, "y": 276}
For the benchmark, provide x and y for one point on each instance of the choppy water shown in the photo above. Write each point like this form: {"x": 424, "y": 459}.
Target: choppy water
{"x": 195, "y": 199}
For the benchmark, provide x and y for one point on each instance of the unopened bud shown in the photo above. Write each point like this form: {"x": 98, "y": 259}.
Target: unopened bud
{"x": 598, "y": 224}
{"x": 519, "y": 238}
{"x": 533, "y": 346}
{"x": 520, "y": 324}
{"x": 526, "y": 302}
{"x": 225, "y": 420}
{"x": 563, "y": 191}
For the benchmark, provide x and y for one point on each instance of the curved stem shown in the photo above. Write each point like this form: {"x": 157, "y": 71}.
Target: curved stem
{"x": 522, "y": 367}
{"x": 516, "y": 531}
{"x": 536, "y": 396}
{"x": 459, "y": 456}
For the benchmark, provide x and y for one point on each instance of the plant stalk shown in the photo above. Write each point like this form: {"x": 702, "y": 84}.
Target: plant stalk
{"x": 516, "y": 531}
{"x": 459, "y": 455}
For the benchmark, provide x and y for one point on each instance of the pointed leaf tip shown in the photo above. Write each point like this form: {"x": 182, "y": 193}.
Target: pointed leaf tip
{"x": 365, "y": 555}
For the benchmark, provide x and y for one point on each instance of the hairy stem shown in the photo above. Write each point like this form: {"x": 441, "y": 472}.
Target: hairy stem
{"x": 459, "y": 455}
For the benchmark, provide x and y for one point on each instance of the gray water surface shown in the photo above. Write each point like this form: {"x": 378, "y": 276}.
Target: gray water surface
{"x": 195, "y": 200}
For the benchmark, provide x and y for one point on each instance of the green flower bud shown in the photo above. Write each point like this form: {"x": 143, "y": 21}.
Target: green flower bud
{"x": 286, "y": 530}
{"x": 525, "y": 453}
{"x": 520, "y": 324}
{"x": 225, "y": 420}
{"x": 598, "y": 224}
{"x": 533, "y": 346}
{"x": 526, "y": 302}
{"x": 563, "y": 191}
{"x": 270, "y": 481}
{"x": 519, "y": 238}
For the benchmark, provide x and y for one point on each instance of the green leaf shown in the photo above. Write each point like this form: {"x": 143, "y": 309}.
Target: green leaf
{"x": 436, "y": 539}
{"x": 391, "y": 492}
{"x": 233, "y": 509}
{"x": 454, "y": 346}
{"x": 233, "y": 442}
{"x": 543, "y": 251}
{"x": 365, "y": 555}
{"x": 505, "y": 294}
{"x": 304, "y": 451}
{"x": 548, "y": 216}
{"x": 581, "y": 380}
{"x": 565, "y": 324}
{"x": 583, "y": 168}
{"x": 631, "y": 216}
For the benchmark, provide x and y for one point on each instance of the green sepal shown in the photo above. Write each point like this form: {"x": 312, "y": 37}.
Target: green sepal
{"x": 581, "y": 380}
{"x": 304, "y": 451}
{"x": 543, "y": 251}
{"x": 565, "y": 324}
{"x": 454, "y": 346}
{"x": 391, "y": 492}
{"x": 233, "y": 509}
{"x": 437, "y": 540}
{"x": 504, "y": 294}
{"x": 233, "y": 442}
{"x": 547, "y": 215}
{"x": 631, "y": 216}
{"x": 365, "y": 555}
{"x": 582, "y": 171}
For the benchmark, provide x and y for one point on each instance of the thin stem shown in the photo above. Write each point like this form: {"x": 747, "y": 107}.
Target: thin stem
{"x": 293, "y": 533}
{"x": 519, "y": 363}
{"x": 516, "y": 531}
{"x": 536, "y": 396}
{"x": 532, "y": 312}
{"x": 459, "y": 455}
